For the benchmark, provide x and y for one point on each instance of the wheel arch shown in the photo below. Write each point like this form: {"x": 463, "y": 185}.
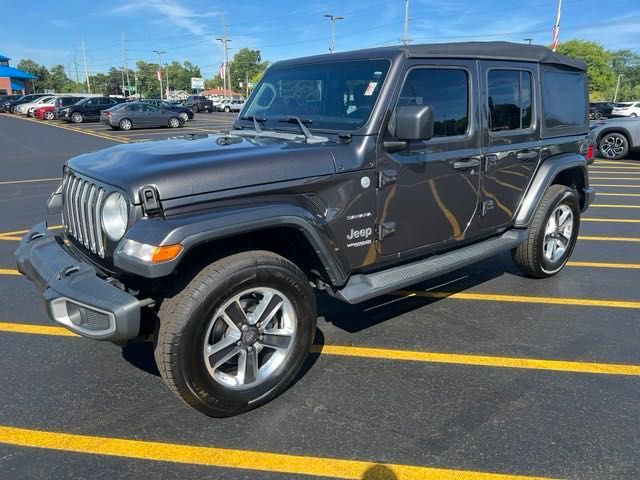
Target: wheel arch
{"x": 620, "y": 130}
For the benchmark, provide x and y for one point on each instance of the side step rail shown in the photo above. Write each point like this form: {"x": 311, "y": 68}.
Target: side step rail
{"x": 362, "y": 287}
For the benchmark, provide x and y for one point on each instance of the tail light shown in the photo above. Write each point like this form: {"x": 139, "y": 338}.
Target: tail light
{"x": 590, "y": 153}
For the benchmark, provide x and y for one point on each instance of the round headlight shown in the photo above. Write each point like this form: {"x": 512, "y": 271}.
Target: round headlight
{"x": 115, "y": 215}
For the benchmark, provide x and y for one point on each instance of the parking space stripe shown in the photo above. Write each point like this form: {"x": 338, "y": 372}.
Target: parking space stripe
{"x": 617, "y": 186}
{"x": 615, "y": 178}
{"x": 614, "y": 172}
{"x": 605, "y": 205}
{"x": 614, "y": 167}
{"x": 20, "y": 232}
{"x": 36, "y": 329}
{"x": 631, "y": 266}
{"x": 6, "y": 271}
{"x": 77, "y": 130}
{"x": 235, "y": 459}
{"x": 608, "y": 239}
{"x": 612, "y": 194}
{"x": 610, "y": 220}
{"x": 491, "y": 297}
{"x": 33, "y": 180}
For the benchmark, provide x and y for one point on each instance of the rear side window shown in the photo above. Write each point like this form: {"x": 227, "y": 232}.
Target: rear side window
{"x": 564, "y": 97}
{"x": 509, "y": 100}
{"x": 447, "y": 91}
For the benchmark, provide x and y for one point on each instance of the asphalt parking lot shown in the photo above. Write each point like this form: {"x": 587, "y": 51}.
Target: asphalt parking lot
{"x": 478, "y": 375}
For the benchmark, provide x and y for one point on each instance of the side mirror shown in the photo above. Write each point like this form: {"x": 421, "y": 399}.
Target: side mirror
{"x": 414, "y": 123}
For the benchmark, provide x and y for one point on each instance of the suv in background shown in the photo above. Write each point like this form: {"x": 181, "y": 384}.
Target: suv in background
{"x": 11, "y": 106}
{"x": 199, "y": 103}
{"x": 598, "y": 110}
{"x": 626, "y": 109}
{"x": 63, "y": 102}
{"x": 88, "y": 109}
{"x": 230, "y": 106}
{"x": 616, "y": 137}
{"x": 355, "y": 174}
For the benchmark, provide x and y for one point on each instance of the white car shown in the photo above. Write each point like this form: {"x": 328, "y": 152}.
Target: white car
{"x": 626, "y": 109}
{"x": 231, "y": 106}
{"x": 25, "y": 107}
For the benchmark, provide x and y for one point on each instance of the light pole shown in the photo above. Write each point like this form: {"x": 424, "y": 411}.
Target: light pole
{"x": 160, "y": 52}
{"x": 334, "y": 19}
{"x": 528, "y": 40}
{"x": 225, "y": 67}
{"x": 615, "y": 96}
{"x": 405, "y": 36}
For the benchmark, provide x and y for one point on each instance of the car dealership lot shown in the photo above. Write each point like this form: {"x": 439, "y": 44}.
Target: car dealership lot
{"x": 478, "y": 372}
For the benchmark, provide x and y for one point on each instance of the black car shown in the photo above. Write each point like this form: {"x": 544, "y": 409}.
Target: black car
{"x": 88, "y": 109}
{"x": 598, "y": 110}
{"x": 11, "y": 105}
{"x": 199, "y": 103}
{"x": 184, "y": 113}
{"x": 66, "y": 101}
{"x": 354, "y": 174}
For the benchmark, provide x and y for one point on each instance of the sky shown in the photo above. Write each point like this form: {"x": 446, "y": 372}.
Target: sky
{"x": 51, "y": 32}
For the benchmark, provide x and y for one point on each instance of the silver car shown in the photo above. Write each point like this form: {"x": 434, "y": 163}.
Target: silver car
{"x": 615, "y": 137}
{"x": 126, "y": 116}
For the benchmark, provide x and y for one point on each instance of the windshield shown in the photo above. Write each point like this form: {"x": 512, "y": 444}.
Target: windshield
{"x": 334, "y": 96}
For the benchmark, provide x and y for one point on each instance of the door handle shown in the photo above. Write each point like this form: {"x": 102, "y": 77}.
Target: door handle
{"x": 465, "y": 164}
{"x": 527, "y": 155}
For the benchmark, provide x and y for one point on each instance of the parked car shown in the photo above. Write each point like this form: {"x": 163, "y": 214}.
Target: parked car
{"x": 65, "y": 101}
{"x": 12, "y": 105}
{"x": 184, "y": 113}
{"x": 140, "y": 115}
{"x": 88, "y": 109}
{"x": 598, "y": 110}
{"x": 355, "y": 173}
{"x": 626, "y": 109}
{"x": 198, "y": 103}
{"x": 27, "y": 108}
{"x": 615, "y": 138}
{"x": 230, "y": 106}
{"x": 7, "y": 98}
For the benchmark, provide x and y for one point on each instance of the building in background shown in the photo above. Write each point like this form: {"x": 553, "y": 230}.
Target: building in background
{"x": 14, "y": 81}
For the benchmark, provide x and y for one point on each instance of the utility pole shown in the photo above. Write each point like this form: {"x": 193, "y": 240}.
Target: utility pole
{"x": 405, "y": 36}
{"x": 166, "y": 72}
{"x": 333, "y": 19}
{"x": 126, "y": 66}
{"x": 225, "y": 67}
{"x": 159, "y": 72}
{"x": 556, "y": 28}
{"x": 75, "y": 62}
{"x": 86, "y": 69}
{"x": 615, "y": 96}
{"x": 528, "y": 40}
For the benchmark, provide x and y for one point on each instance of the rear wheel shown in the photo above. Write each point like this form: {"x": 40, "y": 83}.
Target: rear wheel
{"x": 614, "y": 146}
{"x": 48, "y": 115}
{"x": 552, "y": 234}
{"x": 236, "y": 336}
{"x": 77, "y": 117}
{"x": 125, "y": 124}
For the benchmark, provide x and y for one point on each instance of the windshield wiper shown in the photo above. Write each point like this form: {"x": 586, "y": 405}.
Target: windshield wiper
{"x": 308, "y": 136}
{"x": 256, "y": 122}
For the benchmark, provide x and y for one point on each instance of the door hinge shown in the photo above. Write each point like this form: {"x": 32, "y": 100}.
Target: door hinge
{"x": 385, "y": 229}
{"x": 486, "y": 206}
{"x": 150, "y": 200}
{"x": 386, "y": 177}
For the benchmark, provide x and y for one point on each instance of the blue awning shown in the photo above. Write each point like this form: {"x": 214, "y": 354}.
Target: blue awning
{"x": 17, "y": 85}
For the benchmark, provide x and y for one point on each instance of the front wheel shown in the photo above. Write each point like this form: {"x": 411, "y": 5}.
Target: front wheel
{"x": 552, "y": 234}
{"x": 614, "y": 146}
{"x": 48, "y": 115}
{"x": 174, "y": 122}
{"x": 184, "y": 116}
{"x": 77, "y": 117}
{"x": 227, "y": 109}
{"x": 598, "y": 115}
{"x": 237, "y": 335}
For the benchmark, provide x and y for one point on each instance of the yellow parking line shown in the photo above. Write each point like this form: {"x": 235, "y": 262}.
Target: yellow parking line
{"x": 35, "y": 329}
{"x": 612, "y": 194}
{"x": 605, "y": 205}
{"x": 610, "y": 220}
{"x": 610, "y": 162}
{"x": 604, "y": 265}
{"x": 34, "y": 180}
{"x": 13, "y": 239}
{"x": 236, "y": 459}
{"x": 598, "y": 166}
{"x": 617, "y": 186}
{"x": 77, "y": 130}
{"x": 598, "y": 172}
{"x": 608, "y": 239}
{"x": 579, "y": 302}
{"x": 20, "y": 232}
{"x": 6, "y": 271}
{"x": 614, "y": 178}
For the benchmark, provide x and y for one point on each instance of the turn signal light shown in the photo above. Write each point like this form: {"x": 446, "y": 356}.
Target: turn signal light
{"x": 166, "y": 253}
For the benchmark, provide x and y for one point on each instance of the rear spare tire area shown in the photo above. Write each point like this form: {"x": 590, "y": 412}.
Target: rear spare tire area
{"x": 237, "y": 335}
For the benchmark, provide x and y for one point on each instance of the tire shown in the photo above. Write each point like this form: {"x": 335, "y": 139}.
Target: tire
{"x": 48, "y": 115}
{"x": 77, "y": 117}
{"x": 190, "y": 323}
{"x": 14, "y": 109}
{"x": 597, "y": 115}
{"x": 613, "y": 146}
{"x": 184, "y": 116}
{"x": 633, "y": 115}
{"x": 174, "y": 122}
{"x": 227, "y": 109}
{"x": 125, "y": 124}
{"x": 543, "y": 254}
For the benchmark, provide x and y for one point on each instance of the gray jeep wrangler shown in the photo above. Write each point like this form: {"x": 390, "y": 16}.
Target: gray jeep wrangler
{"x": 355, "y": 174}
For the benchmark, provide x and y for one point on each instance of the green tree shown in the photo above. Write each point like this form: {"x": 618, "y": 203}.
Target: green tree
{"x": 598, "y": 60}
{"x": 627, "y": 64}
{"x": 147, "y": 80}
{"x": 180, "y": 75}
{"x": 40, "y": 71}
{"x": 246, "y": 64}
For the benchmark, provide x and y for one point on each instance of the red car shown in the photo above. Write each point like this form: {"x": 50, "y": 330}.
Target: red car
{"x": 45, "y": 113}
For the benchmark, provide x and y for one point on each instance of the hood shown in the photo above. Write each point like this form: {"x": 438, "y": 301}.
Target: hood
{"x": 183, "y": 167}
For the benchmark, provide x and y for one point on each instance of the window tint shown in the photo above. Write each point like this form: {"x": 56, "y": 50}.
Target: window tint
{"x": 509, "y": 100}
{"x": 564, "y": 99}
{"x": 92, "y": 101}
{"x": 447, "y": 91}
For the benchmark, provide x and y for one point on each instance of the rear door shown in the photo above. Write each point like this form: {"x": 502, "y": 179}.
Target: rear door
{"x": 92, "y": 108}
{"x": 510, "y": 140}
{"x": 428, "y": 193}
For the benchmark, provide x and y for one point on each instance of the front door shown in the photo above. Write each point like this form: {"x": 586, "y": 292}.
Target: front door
{"x": 428, "y": 193}
{"x": 510, "y": 141}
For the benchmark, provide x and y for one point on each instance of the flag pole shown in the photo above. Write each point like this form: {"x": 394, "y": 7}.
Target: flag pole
{"x": 556, "y": 27}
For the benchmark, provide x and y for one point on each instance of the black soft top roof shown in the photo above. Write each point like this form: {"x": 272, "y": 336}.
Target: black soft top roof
{"x": 495, "y": 50}
{"x": 483, "y": 50}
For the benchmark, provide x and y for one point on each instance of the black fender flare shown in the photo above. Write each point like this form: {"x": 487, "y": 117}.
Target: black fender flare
{"x": 542, "y": 180}
{"x": 191, "y": 230}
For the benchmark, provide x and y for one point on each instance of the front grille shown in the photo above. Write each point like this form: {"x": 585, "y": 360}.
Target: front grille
{"x": 81, "y": 209}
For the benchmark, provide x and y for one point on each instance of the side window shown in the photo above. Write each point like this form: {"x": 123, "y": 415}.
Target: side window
{"x": 447, "y": 91}
{"x": 92, "y": 102}
{"x": 564, "y": 98}
{"x": 509, "y": 100}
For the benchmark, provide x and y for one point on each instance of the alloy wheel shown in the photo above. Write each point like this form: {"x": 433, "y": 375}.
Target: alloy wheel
{"x": 612, "y": 146}
{"x": 557, "y": 234}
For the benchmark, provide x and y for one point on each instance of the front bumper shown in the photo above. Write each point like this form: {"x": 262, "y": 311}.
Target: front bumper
{"x": 75, "y": 296}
